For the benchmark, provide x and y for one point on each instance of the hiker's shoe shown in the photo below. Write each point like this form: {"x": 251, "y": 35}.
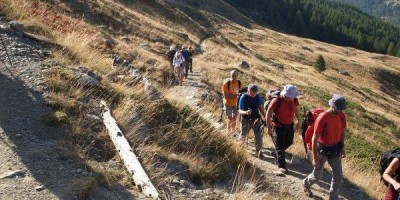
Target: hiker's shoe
{"x": 273, "y": 154}
{"x": 283, "y": 170}
{"x": 307, "y": 189}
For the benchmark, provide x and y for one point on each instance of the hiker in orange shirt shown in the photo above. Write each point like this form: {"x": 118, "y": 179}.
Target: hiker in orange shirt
{"x": 229, "y": 90}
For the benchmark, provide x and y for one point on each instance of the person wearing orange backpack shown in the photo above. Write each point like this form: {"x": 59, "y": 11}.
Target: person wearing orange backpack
{"x": 229, "y": 90}
{"x": 328, "y": 146}
{"x": 280, "y": 115}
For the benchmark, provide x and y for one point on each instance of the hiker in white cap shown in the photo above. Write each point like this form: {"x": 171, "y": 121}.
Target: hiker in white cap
{"x": 328, "y": 146}
{"x": 280, "y": 114}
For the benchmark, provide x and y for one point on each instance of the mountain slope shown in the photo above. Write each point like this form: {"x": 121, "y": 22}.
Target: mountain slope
{"x": 180, "y": 143}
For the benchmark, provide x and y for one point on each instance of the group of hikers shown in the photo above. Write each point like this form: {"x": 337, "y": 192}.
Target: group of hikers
{"x": 181, "y": 61}
{"x": 324, "y": 136}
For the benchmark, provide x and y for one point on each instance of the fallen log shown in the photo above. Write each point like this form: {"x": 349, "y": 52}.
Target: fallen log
{"x": 130, "y": 160}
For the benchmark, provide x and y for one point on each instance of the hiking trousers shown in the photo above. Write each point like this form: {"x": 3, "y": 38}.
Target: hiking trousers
{"x": 337, "y": 175}
{"x": 186, "y": 65}
{"x": 283, "y": 139}
{"x": 245, "y": 125}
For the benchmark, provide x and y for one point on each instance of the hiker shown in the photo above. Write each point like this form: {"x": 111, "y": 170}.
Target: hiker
{"x": 191, "y": 53}
{"x": 170, "y": 56}
{"x": 392, "y": 176}
{"x": 229, "y": 90}
{"x": 186, "y": 55}
{"x": 250, "y": 107}
{"x": 280, "y": 114}
{"x": 178, "y": 63}
{"x": 328, "y": 145}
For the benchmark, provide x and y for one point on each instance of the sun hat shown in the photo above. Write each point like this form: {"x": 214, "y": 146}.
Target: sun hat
{"x": 338, "y": 102}
{"x": 290, "y": 91}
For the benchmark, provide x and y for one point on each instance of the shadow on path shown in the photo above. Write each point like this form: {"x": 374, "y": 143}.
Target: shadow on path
{"x": 28, "y": 144}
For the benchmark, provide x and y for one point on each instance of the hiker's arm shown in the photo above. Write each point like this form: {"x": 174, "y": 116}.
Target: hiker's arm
{"x": 390, "y": 170}
{"x": 268, "y": 119}
{"x": 316, "y": 160}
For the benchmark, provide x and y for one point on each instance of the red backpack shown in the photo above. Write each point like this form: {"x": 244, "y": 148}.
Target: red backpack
{"x": 308, "y": 125}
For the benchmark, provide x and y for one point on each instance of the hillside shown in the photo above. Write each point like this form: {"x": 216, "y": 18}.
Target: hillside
{"x": 177, "y": 143}
{"x": 387, "y": 10}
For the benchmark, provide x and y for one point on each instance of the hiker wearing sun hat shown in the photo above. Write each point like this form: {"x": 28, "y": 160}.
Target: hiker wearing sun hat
{"x": 280, "y": 115}
{"x": 328, "y": 146}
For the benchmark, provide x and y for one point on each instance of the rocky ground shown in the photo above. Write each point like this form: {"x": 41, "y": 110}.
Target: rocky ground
{"x": 32, "y": 164}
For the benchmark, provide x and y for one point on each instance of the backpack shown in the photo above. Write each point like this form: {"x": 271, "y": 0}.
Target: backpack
{"x": 242, "y": 91}
{"x": 274, "y": 94}
{"x": 307, "y": 128}
{"x": 170, "y": 54}
{"x": 386, "y": 159}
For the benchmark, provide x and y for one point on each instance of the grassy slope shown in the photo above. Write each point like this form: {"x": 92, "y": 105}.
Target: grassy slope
{"x": 276, "y": 59}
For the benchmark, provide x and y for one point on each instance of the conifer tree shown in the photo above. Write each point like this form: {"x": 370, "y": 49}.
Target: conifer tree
{"x": 320, "y": 64}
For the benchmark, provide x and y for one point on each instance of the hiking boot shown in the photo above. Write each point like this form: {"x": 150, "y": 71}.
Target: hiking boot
{"x": 283, "y": 170}
{"x": 307, "y": 189}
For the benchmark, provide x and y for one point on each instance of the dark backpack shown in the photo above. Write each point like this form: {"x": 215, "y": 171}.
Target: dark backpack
{"x": 242, "y": 91}
{"x": 308, "y": 123}
{"x": 170, "y": 54}
{"x": 386, "y": 159}
{"x": 274, "y": 94}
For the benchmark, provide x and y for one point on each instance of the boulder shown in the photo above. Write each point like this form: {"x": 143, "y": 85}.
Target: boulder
{"x": 243, "y": 65}
{"x": 344, "y": 72}
{"x": 86, "y": 77}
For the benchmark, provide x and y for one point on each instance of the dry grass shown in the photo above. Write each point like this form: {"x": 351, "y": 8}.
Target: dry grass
{"x": 276, "y": 59}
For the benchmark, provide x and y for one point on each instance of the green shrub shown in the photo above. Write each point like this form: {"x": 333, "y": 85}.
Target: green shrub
{"x": 320, "y": 64}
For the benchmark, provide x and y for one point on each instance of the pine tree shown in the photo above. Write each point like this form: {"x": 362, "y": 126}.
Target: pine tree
{"x": 391, "y": 49}
{"x": 320, "y": 64}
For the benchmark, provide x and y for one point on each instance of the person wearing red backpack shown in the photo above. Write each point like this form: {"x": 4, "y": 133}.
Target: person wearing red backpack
{"x": 392, "y": 177}
{"x": 328, "y": 146}
{"x": 280, "y": 114}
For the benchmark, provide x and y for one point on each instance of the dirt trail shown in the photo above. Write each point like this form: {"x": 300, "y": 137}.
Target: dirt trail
{"x": 191, "y": 93}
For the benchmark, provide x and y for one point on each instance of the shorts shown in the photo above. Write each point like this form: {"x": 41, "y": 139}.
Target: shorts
{"x": 231, "y": 110}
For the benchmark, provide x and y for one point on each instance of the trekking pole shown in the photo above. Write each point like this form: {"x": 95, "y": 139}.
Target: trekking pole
{"x": 8, "y": 56}
{"x": 303, "y": 130}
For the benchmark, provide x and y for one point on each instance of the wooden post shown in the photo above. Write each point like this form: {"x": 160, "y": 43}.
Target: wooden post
{"x": 131, "y": 162}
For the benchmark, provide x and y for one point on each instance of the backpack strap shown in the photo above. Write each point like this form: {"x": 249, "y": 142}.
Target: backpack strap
{"x": 229, "y": 84}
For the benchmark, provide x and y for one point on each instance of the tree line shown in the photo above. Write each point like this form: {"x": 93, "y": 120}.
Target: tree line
{"x": 327, "y": 21}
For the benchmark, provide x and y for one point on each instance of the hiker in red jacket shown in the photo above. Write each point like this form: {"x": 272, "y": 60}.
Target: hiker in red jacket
{"x": 280, "y": 114}
{"x": 328, "y": 146}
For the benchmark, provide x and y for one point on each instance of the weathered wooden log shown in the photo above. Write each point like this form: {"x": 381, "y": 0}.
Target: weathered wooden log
{"x": 130, "y": 160}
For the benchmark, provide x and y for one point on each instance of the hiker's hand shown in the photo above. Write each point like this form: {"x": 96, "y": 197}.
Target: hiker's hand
{"x": 316, "y": 163}
{"x": 248, "y": 112}
{"x": 397, "y": 187}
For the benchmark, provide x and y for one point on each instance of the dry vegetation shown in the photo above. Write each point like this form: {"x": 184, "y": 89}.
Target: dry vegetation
{"x": 175, "y": 132}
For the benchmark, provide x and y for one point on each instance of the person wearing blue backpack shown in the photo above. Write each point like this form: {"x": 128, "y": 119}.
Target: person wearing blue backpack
{"x": 186, "y": 55}
{"x": 250, "y": 107}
